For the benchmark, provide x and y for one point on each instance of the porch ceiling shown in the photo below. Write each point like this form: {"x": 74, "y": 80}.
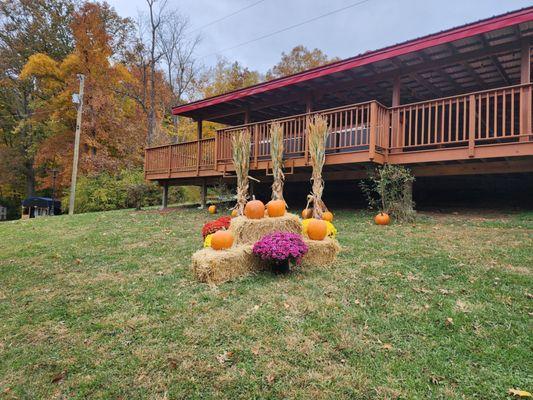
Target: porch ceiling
{"x": 476, "y": 61}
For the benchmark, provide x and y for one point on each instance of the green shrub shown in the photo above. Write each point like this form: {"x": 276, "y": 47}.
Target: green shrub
{"x": 389, "y": 189}
{"x": 127, "y": 189}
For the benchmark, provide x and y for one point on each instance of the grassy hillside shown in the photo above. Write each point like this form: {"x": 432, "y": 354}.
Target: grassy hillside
{"x": 104, "y": 306}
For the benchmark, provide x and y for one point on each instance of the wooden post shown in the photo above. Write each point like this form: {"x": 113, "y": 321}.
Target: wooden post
{"x": 373, "y": 130}
{"x": 164, "y": 202}
{"x": 472, "y": 125}
{"x": 199, "y": 129}
{"x": 308, "y": 111}
{"x": 396, "y": 133}
{"x": 247, "y": 115}
{"x": 525, "y": 92}
{"x": 203, "y": 195}
{"x": 309, "y": 102}
{"x": 198, "y": 155}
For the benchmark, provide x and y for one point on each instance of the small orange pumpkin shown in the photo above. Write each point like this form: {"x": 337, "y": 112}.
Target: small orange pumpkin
{"x": 327, "y": 216}
{"x": 254, "y": 209}
{"x": 382, "y": 219}
{"x": 317, "y": 229}
{"x": 234, "y": 213}
{"x": 221, "y": 240}
{"x": 212, "y": 209}
{"x": 276, "y": 208}
{"x": 307, "y": 213}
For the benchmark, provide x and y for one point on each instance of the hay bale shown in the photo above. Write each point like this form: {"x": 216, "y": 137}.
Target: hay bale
{"x": 321, "y": 252}
{"x": 249, "y": 231}
{"x": 214, "y": 267}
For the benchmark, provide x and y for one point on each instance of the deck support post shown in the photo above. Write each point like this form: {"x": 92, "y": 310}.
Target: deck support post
{"x": 203, "y": 195}
{"x": 525, "y": 91}
{"x": 396, "y": 140}
{"x": 373, "y": 130}
{"x": 164, "y": 202}
{"x": 308, "y": 111}
{"x": 472, "y": 125}
{"x": 199, "y": 129}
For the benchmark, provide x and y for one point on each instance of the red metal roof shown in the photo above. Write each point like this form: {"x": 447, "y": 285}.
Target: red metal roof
{"x": 450, "y": 35}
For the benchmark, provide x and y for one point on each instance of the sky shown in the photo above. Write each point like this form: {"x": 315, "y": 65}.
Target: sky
{"x": 369, "y": 25}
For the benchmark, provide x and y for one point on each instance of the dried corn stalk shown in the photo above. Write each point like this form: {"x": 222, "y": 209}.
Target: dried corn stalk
{"x": 276, "y": 151}
{"x": 241, "y": 159}
{"x": 317, "y": 132}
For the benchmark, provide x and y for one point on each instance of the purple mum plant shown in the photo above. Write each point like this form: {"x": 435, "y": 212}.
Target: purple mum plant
{"x": 281, "y": 248}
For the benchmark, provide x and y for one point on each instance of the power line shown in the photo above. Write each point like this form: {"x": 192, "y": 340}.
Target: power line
{"x": 288, "y": 28}
{"x": 216, "y": 21}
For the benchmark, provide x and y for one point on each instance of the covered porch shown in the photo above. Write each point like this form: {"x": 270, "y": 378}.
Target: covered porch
{"x": 455, "y": 102}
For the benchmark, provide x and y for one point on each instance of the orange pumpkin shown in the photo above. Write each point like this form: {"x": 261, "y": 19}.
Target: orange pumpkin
{"x": 276, "y": 208}
{"x": 254, "y": 209}
{"x": 307, "y": 213}
{"x": 221, "y": 240}
{"x": 382, "y": 219}
{"x": 212, "y": 209}
{"x": 327, "y": 216}
{"x": 234, "y": 213}
{"x": 317, "y": 229}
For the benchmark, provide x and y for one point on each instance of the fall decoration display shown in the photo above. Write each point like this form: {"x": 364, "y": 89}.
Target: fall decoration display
{"x": 254, "y": 209}
{"x": 317, "y": 132}
{"x": 207, "y": 240}
{"x": 281, "y": 249}
{"x": 216, "y": 267}
{"x": 221, "y": 240}
{"x": 241, "y": 159}
{"x": 331, "y": 231}
{"x": 276, "y": 152}
{"x": 327, "y": 216}
{"x": 382, "y": 219}
{"x": 276, "y": 208}
{"x": 216, "y": 225}
{"x": 320, "y": 252}
{"x": 316, "y": 229}
{"x": 390, "y": 189}
{"x": 249, "y": 231}
{"x": 307, "y": 213}
{"x": 212, "y": 209}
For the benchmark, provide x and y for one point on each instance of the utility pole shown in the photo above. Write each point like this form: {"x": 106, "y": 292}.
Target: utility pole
{"x": 81, "y": 77}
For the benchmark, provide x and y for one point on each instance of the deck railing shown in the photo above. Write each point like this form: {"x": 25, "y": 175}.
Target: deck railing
{"x": 181, "y": 157}
{"x": 351, "y": 129}
{"x": 488, "y": 117}
{"x": 491, "y": 116}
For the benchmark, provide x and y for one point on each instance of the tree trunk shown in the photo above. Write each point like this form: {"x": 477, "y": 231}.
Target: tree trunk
{"x": 30, "y": 179}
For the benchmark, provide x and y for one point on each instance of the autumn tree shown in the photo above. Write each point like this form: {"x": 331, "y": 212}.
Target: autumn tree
{"x": 299, "y": 59}
{"x": 111, "y": 136}
{"x": 226, "y": 76}
{"x": 26, "y": 27}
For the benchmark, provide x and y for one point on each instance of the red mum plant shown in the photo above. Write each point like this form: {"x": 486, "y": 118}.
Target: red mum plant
{"x": 216, "y": 225}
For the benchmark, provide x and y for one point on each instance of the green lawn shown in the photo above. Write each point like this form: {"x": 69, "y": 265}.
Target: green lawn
{"x": 104, "y": 305}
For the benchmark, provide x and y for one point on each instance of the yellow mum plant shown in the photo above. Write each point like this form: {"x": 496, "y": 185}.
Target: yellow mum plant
{"x": 331, "y": 230}
{"x": 207, "y": 240}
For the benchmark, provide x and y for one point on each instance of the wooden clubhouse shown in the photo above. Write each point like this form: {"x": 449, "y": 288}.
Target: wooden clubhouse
{"x": 452, "y": 103}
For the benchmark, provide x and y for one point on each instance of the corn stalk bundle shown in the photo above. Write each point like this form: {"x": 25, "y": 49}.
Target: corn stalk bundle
{"x": 240, "y": 141}
{"x": 317, "y": 132}
{"x": 276, "y": 151}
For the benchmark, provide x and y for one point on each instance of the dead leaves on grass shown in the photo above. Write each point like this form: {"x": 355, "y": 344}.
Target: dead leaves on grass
{"x": 519, "y": 393}
{"x": 225, "y": 358}
{"x": 59, "y": 377}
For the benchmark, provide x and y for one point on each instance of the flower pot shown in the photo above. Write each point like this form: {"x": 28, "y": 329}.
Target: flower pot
{"x": 281, "y": 267}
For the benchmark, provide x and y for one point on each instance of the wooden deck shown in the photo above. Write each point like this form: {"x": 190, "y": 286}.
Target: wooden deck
{"x": 492, "y": 125}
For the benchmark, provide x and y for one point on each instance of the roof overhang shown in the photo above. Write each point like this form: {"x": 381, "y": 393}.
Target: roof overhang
{"x": 369, "y": 67}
